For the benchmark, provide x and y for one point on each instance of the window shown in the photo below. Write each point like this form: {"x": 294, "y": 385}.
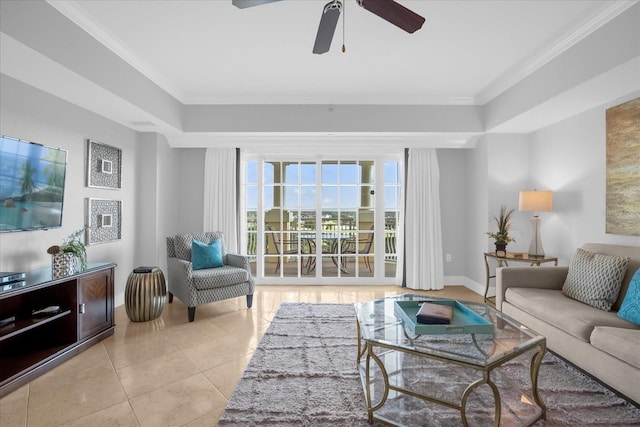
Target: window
{"x": 317, "y": 220}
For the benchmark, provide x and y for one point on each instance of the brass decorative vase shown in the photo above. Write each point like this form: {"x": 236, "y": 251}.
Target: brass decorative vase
{"x": 63, "y": 264}
{"x": 145, "y": 294}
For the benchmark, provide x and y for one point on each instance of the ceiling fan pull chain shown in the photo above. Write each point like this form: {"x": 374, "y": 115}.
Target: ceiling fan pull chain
{"x": 344, "y": 15}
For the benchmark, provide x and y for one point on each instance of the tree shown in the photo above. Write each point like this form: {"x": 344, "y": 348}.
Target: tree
{"x": 55, "y": 168}
{"x": 27, "y": 184}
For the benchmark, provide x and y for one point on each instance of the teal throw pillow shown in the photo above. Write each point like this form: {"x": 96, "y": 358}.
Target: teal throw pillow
{"x": 206, "y": 255}
{"x": 630, "y": 308}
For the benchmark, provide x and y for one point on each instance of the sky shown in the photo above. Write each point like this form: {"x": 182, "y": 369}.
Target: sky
{"x": 340, "y": 185}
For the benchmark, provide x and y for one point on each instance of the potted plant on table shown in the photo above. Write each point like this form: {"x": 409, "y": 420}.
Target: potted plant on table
{"x": 501, "y": 236}
{"x": 64, "y": 258}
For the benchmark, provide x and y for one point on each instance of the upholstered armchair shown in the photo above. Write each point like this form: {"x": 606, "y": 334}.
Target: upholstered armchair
{"x": 203, "y": 286}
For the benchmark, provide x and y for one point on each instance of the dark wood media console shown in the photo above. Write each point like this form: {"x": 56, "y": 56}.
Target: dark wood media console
{"x": 32, "y": 345}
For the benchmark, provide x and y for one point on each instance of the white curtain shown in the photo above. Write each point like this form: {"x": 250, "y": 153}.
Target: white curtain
{"x": 423, "y": 235}
{"x": 220, "y": 206}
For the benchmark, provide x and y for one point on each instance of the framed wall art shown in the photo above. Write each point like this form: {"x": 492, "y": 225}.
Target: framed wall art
{"x": 104, "y": 165}
{"x": 623, "y": 169}
{"x": 103, "y": 219}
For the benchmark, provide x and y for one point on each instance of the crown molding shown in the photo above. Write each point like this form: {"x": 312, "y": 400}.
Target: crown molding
{"x": 325, "y": 141}
{"x": 518, "y": 73}
{"x": 73, "y": 13}
{"x": 320, "y": 99}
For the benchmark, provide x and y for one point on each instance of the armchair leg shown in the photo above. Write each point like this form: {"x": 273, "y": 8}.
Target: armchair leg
{"x": 249, "y": 300}
{"x": 191, "y": 311}
{"x": 170, "y": 297}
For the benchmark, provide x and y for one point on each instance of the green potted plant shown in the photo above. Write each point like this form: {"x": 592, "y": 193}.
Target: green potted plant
{"x": 503, "y": 223}
{"x": 65, "y": 256}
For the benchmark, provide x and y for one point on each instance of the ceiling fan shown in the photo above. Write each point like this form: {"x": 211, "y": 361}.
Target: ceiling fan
{"x": 388, "y": 10}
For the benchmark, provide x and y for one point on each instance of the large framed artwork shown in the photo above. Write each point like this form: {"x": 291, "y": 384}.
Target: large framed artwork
{"x": 623, "y": 169}
{"x": 104, "y": 165}
{"x": 103, "y": 219}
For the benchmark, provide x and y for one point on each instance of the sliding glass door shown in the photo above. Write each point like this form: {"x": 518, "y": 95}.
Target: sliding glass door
{"x": 322, "y": 220}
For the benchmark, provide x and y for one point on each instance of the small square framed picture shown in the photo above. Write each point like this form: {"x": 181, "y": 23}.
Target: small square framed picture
{"x": 104, "y": 165}
{"x": 103, "y": 221}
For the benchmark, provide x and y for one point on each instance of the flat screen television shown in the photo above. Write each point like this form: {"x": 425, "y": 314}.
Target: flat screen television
{"x": 32, "y": 180}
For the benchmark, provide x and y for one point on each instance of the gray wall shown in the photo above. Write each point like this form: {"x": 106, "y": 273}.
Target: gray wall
{"x": 569, "y": 158}
{"x": 33, "y": 115}
{"x": 163, "y": 187}
{"x": 454, "y": 205}
{"x": 191, "y": 209}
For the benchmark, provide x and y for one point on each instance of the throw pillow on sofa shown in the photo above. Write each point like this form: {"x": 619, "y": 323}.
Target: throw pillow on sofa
{"x": 206, "y": 255}
{"x": 630, "y": 308}
{"x": 595, "y": 279}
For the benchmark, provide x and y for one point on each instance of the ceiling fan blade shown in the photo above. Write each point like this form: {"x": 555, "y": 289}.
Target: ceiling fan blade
{"x": 395, "y": 13}
{"x": 327, "y": 27}
{"x": 243, "y": 4}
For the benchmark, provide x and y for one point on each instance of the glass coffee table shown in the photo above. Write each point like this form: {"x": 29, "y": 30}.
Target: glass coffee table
{"x": 405, "y": 369}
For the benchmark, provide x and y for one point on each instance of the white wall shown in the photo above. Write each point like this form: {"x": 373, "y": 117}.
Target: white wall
{"x": 33, "y": 115}
{"x": 569, "y": 158}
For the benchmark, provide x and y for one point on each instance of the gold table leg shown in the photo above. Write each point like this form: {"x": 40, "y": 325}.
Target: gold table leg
{"x": 486, "y": 379}
{"x": 385, "y": 376}
{"x": 536, "y": 361}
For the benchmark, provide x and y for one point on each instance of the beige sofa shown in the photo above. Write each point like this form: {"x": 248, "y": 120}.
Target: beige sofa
{"x": 596, "y": 341}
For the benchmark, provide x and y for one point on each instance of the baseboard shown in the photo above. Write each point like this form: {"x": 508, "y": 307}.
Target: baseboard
{"x": 119, "y": 299}
{"x": 448, "y": 281}
{"x": 476, "y": 287}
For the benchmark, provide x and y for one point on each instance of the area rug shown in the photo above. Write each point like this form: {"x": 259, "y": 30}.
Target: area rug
{"x": 304, "y": 373}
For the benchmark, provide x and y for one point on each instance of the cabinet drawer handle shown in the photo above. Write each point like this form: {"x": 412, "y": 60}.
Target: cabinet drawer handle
{"x": 81, "y": 308}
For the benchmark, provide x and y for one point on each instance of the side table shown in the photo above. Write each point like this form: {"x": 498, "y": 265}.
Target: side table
{"x": 145, "y": 294}
{"x": 503, "y": 261}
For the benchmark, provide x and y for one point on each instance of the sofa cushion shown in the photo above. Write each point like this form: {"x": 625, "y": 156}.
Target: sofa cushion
{"x": 630, "y": 308}
{"x": 205, "y": 255}
{"x": 569, "y": 315}
{"x": 622, "y": 343}
{"x": 218, "y": 277}
{"x": 595, "y": 279}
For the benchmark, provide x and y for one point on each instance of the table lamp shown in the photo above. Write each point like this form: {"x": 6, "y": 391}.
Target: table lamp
{"x": 536, "y": 201}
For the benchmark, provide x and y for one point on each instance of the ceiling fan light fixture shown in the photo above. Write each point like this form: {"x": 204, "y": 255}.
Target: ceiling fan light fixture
{"x": 394, "y": 13}
{"x": 327, "y": 27}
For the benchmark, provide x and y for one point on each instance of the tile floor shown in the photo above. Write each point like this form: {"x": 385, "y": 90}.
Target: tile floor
{"x": 169, "y": 372}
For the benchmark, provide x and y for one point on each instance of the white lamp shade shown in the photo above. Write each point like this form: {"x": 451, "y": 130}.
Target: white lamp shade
{"x": 536, "y": 201}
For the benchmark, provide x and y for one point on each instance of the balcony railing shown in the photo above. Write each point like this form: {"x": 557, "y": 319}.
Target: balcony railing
{"x": 389, "y": 239}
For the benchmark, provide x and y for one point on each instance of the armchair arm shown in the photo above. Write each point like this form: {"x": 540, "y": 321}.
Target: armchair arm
{"x": 239, "y": 261}
{"x": 242, "y": 261}
{"x": 179, "y": 278}
{"x": 528, "y": 277}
